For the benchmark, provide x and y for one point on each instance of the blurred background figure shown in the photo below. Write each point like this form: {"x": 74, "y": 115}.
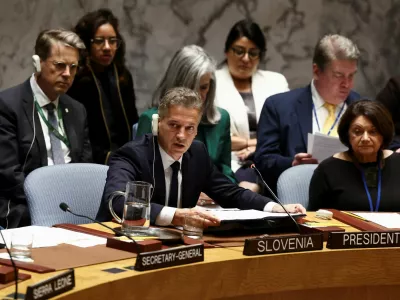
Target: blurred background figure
{"x": 193, "y": 68}
{"x": 104, "y": 85}
{"x": 364, "y": 178}
{"x": 242, "y": 89}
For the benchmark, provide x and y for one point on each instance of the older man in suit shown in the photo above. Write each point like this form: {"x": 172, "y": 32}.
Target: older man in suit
{"x": 182, "y": 168}
{"x": 39, "y": 125}
{"x": 287, "y": 118}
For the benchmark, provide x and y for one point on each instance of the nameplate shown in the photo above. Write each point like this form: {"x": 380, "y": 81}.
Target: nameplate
{"x": 283, "y": 244}
{"x": 51, "y": 287}
{"x": 363, "y": 239}
{"x": 169, "y": 257}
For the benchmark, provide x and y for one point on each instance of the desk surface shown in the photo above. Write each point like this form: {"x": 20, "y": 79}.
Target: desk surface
{"x": 226, "y": 273}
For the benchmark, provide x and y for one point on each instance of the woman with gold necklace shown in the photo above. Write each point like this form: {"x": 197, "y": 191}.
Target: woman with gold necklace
{"x": 104, "y": 85}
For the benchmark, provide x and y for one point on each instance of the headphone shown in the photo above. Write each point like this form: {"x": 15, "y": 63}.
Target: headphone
{"x": 154, "y": 124}
{"x": 36, "y": 63}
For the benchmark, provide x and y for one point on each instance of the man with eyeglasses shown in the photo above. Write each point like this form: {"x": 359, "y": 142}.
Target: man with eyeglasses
{"x": 287, "y": 118}
{"x": 39, "y": 124}
{"x": 178, "y": 167}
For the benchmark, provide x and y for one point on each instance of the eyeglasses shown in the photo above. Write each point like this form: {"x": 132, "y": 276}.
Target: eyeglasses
{"x": 252, "y": 53}
{"x": 100, "y": 41}
{"x": 62, "y": 66}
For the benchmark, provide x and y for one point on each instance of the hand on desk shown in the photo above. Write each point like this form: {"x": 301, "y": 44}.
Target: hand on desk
{"x": 291, "y": 208}
{"x": 180, "y": 213}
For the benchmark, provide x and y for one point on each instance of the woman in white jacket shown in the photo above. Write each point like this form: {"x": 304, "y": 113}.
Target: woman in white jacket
{"x": 242, "y": 90}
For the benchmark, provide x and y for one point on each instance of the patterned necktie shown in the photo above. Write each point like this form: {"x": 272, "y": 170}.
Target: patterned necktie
{"x": 173, "y": 191}
{"x": 58, "y": 155}
{"x": 330, "y": 120}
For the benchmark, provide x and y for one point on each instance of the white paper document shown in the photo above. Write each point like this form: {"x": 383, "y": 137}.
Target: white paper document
{"x": 322, "y": 146}
{"x": 50, "y": 236}
{"x": 249, "y": 214}
{"x": 388, "y": 220}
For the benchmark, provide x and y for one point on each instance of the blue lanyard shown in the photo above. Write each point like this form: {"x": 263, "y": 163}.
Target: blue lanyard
{"x": 334, "y": 124}
{"x": 378, "y": 200}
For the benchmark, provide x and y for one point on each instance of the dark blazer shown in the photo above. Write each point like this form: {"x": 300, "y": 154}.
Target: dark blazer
{"x": 17, "y": 116}
{"x": 217, "y": 139}
{"x": 390, "y": 97}
{"x": 84, "y": 90}
{"x": 134, "y": 162}
{"x": 284, "y": 123}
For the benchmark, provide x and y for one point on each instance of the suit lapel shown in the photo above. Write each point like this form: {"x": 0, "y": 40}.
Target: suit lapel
{"x": 159, "y": 176}
{"x": 304, "y": 113}
{"x": 68, "y": 123}
{"x": 186, "y": 179}
{"x": 32, "y": 115}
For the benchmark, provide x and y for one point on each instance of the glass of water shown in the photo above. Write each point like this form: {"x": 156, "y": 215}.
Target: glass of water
{"x": 193, "y": 226}
{"x": 21, "y": 245}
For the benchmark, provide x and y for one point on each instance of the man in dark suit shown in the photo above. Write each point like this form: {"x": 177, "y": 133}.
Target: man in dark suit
{"x": 177, "y": 155}
{"x": 390, "y": 97}
{"x": 287, "y": 118}
{"x": 39, "y": 125}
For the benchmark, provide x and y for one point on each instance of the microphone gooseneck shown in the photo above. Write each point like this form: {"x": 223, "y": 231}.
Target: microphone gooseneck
{"x": 65, "y": 207}
{"x": 275, "y": 197}
{"x": 13, "y": 265}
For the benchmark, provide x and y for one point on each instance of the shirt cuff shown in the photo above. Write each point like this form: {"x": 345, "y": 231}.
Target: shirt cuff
{"x": 165, "y": 216}
{"x": 269, "y": 206}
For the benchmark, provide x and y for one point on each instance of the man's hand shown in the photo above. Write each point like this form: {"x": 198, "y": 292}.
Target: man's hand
{"x": 303, "y": 158}
{"x": 180, "y": 213}
{"x": 245, "y": 153}
{"x": 398, "y": 150}
{"x": 291, "y": 208}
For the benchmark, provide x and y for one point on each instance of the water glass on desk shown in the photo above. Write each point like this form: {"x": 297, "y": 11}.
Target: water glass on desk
{"x": 21, "y": 245}
{"x": 193, "y": 226}
{"x": 136, "y": 214}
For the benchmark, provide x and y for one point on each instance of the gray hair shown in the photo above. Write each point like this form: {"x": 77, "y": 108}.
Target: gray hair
{"x": 185, "y": 70}
{"x": 47, "y": 38}
{"x": 180, "y": 96}
{"x": 332, "y": 47}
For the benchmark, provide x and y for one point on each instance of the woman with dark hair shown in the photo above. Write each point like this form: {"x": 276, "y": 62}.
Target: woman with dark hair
{"x": 364, "y": 178}
{"x": 104, "y": 85}
{"x": 242, "y": 89}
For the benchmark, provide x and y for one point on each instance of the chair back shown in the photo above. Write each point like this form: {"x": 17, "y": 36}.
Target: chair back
{"x": 294, "y": 183}
{"x": 79, "y": 185}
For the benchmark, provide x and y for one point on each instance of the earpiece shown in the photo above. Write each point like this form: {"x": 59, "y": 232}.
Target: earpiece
{"x": 154, "y": 124}
{"x": 36, "y": 63}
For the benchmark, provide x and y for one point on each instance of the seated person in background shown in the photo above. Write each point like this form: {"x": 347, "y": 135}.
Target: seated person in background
{"x": 182, "y": 168}
{"x": 390, "y": 97}
{"x": 242, "y": 89}
{"x": 39, "y": 124}
{"x": 104, "y": 85}
{"x": 366, "y": 177}
{"x": 287, "y": 118}
{"x": 193, "y": 68}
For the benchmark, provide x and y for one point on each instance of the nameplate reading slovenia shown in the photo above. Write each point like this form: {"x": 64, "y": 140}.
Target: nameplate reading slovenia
{"x": 276, "y": 244}
{"x": 169, "y": 257}
{"x": 51, "y": 287}
{"x": 365, "y": 239}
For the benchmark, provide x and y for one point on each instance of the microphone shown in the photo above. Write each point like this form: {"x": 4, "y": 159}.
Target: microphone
{"x": 13, "y": 265}
{"x": 275, "y": 197}
{"x": 65, "y": 207}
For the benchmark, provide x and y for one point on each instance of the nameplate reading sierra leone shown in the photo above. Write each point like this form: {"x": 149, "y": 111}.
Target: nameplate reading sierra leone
{"x": 282, "y": 244}
{"x": 169, "y": 257}
{"x": 51, "y": 287}
{"x": 364, "y": 239}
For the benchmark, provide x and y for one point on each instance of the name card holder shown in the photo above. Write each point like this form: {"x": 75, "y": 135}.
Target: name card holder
{"x": 169, "y": 257}
{"x": 366, "y": 239}
{"x": 283, "y": 244}
{"x": 51, "y": 287}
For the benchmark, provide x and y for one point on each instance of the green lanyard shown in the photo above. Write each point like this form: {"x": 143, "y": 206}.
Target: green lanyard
{"x": 55, "y": 131}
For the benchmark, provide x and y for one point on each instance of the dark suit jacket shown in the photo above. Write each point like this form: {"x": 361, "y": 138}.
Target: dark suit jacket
{"x": 284, "y": 123}
{"x": 17, "y": 116}
{"x": 390, "y": 97}
{"x": 134, "y": 162}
